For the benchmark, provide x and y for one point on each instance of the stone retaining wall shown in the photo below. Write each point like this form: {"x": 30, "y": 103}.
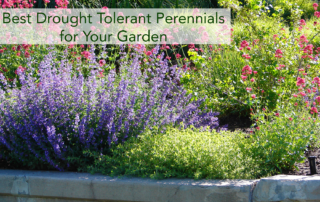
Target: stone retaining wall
{"x": 50, "y": 186}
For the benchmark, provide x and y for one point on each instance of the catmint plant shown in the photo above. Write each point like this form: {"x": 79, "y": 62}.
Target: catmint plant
{"x": 59, "y": 113}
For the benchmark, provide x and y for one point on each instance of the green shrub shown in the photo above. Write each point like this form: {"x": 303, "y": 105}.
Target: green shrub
{"x": 178, "y": 153}
{"x": 283, "y": 137}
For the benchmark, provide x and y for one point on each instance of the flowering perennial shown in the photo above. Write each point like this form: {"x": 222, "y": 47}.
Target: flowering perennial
{"x": 60, "y": 113}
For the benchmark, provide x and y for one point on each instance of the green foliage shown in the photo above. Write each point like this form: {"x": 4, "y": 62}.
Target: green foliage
{"x": 218, "y": 70}
{"x": 282, "y": 140}
{"x": 179, "y": 153}
{"x": 191, "y": 153}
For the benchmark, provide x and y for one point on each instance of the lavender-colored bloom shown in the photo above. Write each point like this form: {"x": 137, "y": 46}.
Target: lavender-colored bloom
{"x": 62, "y": 113}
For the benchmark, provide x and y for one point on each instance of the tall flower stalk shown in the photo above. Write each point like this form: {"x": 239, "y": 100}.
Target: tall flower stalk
{"x": 60, "y": 113}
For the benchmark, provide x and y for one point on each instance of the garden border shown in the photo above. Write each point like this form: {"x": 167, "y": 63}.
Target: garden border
{"x": 53, "y": 186}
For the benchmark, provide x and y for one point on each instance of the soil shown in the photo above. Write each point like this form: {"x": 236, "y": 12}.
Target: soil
{"x": 237, "y": 122}
{"x": 304, "y": 168}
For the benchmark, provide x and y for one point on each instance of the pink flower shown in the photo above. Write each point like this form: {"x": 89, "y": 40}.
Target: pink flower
{"x": 294, "y": 95}
{"x": 26, "y": 54}
{"x": 258, "y": 128}
{"x": 246, "y": 56}
{"x": 255, "y": 72}
{"x": 100, "y": 74}
{"x": 318, "y": 99}
{"x": 102, "y": 62}
{"x": 82, "y": 46}
{"x": 314, "y": 110}
{"x": 20, "y": 68}
{"x": 246, "y": 70}
{"x": 315, "y": 6}
{"x": 316, "y": 79}
{"x": 317, "y": 14}
{"x": 290, "y": 119}
{"x": 279, "y": 52}
{"x": 263, "y": 109}
{"x": 86, "y": 54}
{"x": 244, "y": 44}
{"x": 302, "y": 22}
{"x": 309, "y": 90}
{"x": 148, "y": 53}
{"x": 277, "y": 114}
{"x": 300, "y": 81}
{"x": 295, "y": 104}
{"x": 1, "y": 50}
{"x": 252, "y": 80}
{"x": 302, "y": 93}
{"x": 178, "y": 56}
{"x": 253, "y": 96}
{"x": 248, "y": 48}
{"x": 248, "y": 89}
{"x": 243, "y": 77}
{"x": 191, "y": 46}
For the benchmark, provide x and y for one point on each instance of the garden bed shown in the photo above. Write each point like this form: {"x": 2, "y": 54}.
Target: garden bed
{"x": 160, "y": 111}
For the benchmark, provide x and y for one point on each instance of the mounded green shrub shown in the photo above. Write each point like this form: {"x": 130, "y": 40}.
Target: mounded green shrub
{"x": 187, "y": 153}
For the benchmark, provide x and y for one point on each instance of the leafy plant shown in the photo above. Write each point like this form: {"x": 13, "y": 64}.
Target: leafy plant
{"x": 188, "y": 153}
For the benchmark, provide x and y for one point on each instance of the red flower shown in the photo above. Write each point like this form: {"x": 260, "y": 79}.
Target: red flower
{"x": 102, "y": 62}
{"x": 302, "y": 93}
{"x": 314, "y": 110}
{"x": 302, "y": 22}
{"x": 316, "y": 79}
{"x": 246, "y": 70}
{"x": 86, "y": 54}
{"x": 244, "y": 44}
{"x": 300, "y": 81}
{"x": 26, "y": 54}
{"x": 20, "y": 68}
{"x": 149, "y": 53}
{"x": 243, "y": 77}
